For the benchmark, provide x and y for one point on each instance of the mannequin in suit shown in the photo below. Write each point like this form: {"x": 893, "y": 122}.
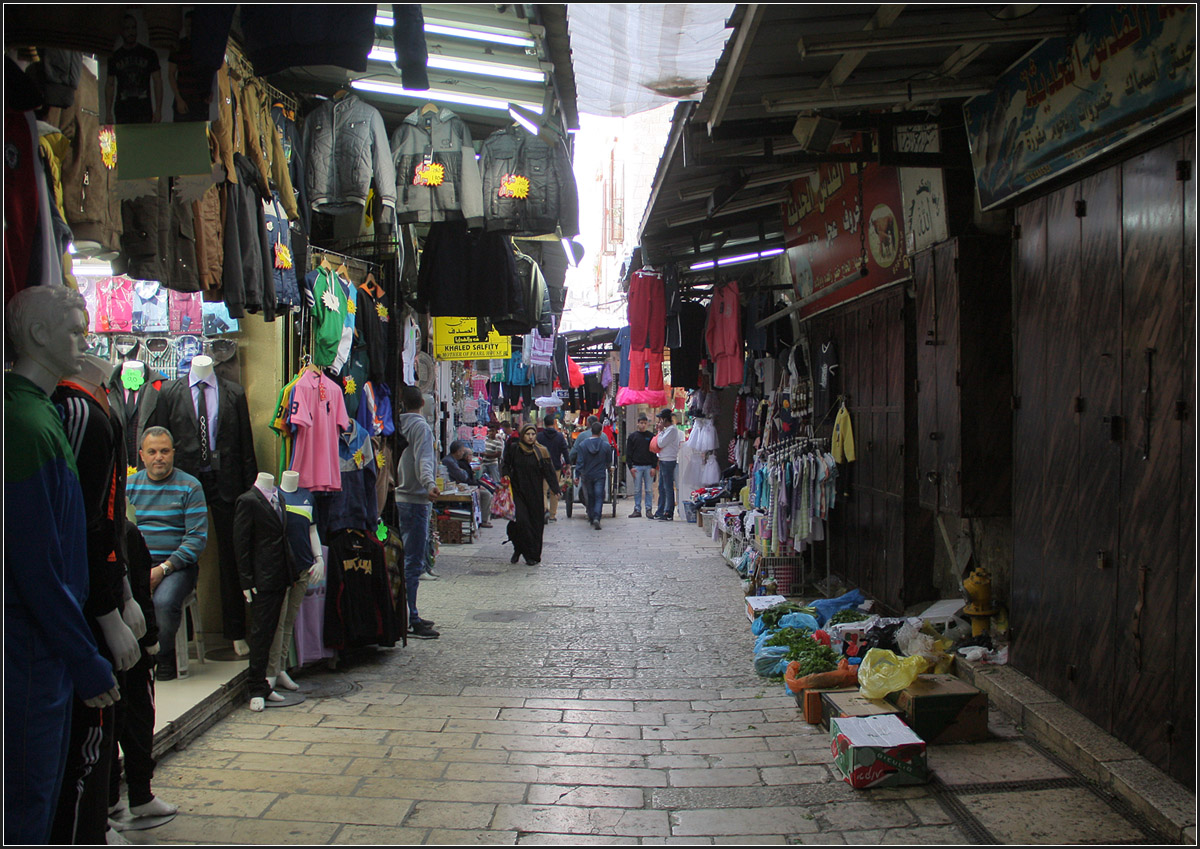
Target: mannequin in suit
{"x": 226, "y": 466}
{"x": 266, "y": 569}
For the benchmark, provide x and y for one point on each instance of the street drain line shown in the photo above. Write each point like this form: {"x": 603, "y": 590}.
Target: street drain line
{"x": 976, "y": 832}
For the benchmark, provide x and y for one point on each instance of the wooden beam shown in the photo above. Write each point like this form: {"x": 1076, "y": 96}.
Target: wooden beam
{"x": 737, "y": 59}
{"x": 884, "y": 17}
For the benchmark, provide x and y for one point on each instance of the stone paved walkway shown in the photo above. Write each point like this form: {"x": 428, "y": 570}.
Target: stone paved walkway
{"x": 606, "y": 696}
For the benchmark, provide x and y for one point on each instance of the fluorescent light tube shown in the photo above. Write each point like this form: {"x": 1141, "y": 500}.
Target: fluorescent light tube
{"x": 523, "y": 121}
{"x": 487, "y": 69}
{"x": 444, "y": 96}
{"x": 475, "y": 35}
{"x": 703, "y": 266}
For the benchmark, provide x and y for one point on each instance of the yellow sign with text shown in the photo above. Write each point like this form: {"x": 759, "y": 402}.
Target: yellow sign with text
{"x": 456, "y": 339}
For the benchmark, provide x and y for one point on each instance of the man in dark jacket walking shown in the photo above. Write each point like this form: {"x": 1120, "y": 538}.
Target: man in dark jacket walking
{"x": 594, "y": 456}
{"x": 555, "y": 443}
{"x": 644, "y": 464}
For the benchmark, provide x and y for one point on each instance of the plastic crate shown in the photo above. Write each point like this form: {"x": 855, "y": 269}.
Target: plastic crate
{"x": 450, "y": 530}
{"x": 788, "y": 572}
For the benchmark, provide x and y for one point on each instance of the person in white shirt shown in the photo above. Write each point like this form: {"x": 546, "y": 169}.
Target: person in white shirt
{"x": 669, "y": 439}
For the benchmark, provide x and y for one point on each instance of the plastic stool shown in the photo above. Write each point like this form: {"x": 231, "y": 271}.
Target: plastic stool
{"x": 191, "y": 609}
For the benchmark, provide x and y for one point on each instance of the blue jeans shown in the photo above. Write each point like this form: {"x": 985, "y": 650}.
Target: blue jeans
{"x": 414, "y": 530}
{"x": 169, "y": 596}
{"x": 666, "y": 487}
{"x": 641, "y": 480}
{"x": 594, "y": 487}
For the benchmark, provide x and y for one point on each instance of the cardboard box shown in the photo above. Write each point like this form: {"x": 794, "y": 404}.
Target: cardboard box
{"x": 812, "y": 703}
{"x": 944, "y": 709}
{"x": 851, "y": 703}
{"x": 756, "y": 604}
{"x": 877, "y": 751}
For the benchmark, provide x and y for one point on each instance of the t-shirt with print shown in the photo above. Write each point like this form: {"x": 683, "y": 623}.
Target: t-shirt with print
{"x": 317, "y": 413}
{"x": 300, "y": 516}
{"x": 132, "y": 68}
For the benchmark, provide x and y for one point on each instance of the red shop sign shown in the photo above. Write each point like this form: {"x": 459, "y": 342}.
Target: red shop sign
{"x": 821, "y": 230}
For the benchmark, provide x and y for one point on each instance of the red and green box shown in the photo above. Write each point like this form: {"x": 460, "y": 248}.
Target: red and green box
{"x": 877, "y": 751}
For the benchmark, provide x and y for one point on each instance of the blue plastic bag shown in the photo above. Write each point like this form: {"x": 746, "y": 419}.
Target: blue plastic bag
{"x": 761, "y": 642}
{"x": 757, "y": 626}
{"x": 828, "y": 607}
{"x": 800, "y": 621}
{"x": 771, "y": 661}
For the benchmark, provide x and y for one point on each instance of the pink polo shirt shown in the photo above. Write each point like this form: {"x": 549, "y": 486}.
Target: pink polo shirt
{"x": 318, "y": 414}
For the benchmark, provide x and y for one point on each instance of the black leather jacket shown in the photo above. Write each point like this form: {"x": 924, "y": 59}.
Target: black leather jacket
{"x": 549, "y": 198}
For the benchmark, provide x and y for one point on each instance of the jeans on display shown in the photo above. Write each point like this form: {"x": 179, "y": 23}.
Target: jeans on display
{"x": 414, "y": 529}
{"x": 595, "y": 497}
{"x": 641, "y": 480}
{"x": 666, "y": 487}
{"x": 168, "y": 606}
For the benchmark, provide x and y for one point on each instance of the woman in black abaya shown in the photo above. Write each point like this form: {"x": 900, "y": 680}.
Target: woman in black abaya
{"x": 527, "y": 465}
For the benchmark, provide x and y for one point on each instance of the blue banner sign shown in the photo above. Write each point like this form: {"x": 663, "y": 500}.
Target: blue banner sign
{"x": 1130, "y": 68}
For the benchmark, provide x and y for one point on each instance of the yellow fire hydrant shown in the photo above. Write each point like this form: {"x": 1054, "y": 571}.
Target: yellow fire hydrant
{"x": 978, "y": 587}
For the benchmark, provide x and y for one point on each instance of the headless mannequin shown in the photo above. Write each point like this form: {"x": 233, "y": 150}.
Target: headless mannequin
{"x": 266, "y": 485}
{"x": 50, "y": 653}
{"x": 289, "y": 482}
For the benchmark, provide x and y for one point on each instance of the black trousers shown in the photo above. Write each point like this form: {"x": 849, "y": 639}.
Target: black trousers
{"x": 264, "y": 619}
{"x": 82, "y": 814}
{"x": 134, "y": 732}
{"x": 233, "y": 603}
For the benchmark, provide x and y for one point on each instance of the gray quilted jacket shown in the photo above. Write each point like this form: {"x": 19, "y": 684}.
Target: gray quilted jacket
{"x": 345, "y": 148}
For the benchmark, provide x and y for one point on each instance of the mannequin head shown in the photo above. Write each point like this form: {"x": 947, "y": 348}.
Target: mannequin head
{"x": 47, "y": 326}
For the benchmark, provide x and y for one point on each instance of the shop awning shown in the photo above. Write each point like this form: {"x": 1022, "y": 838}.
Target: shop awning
{"x": 721, "y": 183}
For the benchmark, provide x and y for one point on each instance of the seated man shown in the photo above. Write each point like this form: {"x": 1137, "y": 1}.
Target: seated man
{"x": 458, "y": 469}
{"x": 173, "y": 518}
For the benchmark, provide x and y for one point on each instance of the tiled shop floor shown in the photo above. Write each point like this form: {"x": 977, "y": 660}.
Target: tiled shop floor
{"x": 605, "y": 696}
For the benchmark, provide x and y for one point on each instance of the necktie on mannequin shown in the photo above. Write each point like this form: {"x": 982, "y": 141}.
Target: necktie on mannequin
{"x": 202, "y": 414}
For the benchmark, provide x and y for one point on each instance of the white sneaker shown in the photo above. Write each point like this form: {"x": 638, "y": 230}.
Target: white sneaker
{"x": 154, "y": 808}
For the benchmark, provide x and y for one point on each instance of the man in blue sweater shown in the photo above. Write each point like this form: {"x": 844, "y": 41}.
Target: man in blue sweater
{"x": 173, "y": 517}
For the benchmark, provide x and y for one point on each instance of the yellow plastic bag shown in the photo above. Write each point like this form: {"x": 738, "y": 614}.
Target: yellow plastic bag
{"x": 883, "y": 672}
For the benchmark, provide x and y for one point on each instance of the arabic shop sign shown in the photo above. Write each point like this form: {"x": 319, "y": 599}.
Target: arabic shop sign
{"x": 1070, "y": 99}
{"x": 458, "y": 339}
{"x": 823, "y": 230}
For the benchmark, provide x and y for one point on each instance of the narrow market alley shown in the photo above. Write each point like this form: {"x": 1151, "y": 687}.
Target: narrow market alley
{"x": 606, "y": 696}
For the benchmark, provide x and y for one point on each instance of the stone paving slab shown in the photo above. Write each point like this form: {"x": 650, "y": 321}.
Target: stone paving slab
{"x": 604, "y": 698}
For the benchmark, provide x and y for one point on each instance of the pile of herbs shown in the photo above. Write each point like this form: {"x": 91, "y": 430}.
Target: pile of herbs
{"x": 812, "y": 656}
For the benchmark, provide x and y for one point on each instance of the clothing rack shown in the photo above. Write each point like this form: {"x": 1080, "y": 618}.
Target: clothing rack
{"x": 289, "y": 102}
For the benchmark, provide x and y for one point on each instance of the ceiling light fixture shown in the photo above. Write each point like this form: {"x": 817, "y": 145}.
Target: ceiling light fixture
{"x": 464, "y": 66}
{"x": 444, "y": 96}
{"x": 529, "y": 122}
{"x": 736, "y": 260}
{"x": 517, "y": 39}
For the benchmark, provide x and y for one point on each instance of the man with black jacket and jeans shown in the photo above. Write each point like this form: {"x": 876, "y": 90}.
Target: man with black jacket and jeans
{"x": 644, "y": 464}
{"x": 555, "y": 443}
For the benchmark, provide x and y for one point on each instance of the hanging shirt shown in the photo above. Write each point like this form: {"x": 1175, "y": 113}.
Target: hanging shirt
{"x": 622, "y": 341}
{"x": 280, "y": 425}
{"x": 411, "y": 339}
{"x": 843, "y": 437}
{"x": 329, "y": 315}
{"x": 150, "y": 309}
{"x": 355, "y": 506}
{"x": 350, "y": 293}
{"x": 317, "y": 413}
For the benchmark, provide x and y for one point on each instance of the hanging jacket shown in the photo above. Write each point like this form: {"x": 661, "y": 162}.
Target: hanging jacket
{"x": 528, "y": 185}
{"x": 249, "y": 277}
{"x": 437, "y": 175}
{"x": 533, "y": 297}
{"x": 345, "y": 148}
{"x": 89, "y": 203}
{"x": 280, "y": 254}
{"x": 159, "y": 238}
{"x": 293, "y": 154}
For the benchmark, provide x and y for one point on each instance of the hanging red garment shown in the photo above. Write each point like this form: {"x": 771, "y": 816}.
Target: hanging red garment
{"x": 574, "y": 373}
{"x": 723, "y": 335}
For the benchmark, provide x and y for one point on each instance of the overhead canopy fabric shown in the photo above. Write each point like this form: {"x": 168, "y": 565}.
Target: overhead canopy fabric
{"x": 631, "y": 58}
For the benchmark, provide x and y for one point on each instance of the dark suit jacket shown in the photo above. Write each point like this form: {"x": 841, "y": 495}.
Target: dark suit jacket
{"x": 264, "y": 558}
{"x": 236, "y": 466}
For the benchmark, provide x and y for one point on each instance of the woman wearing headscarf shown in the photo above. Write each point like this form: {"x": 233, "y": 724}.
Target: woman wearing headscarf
{"x": 527, "y": 465}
